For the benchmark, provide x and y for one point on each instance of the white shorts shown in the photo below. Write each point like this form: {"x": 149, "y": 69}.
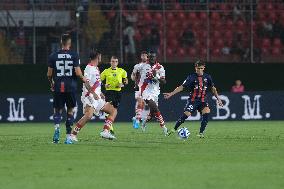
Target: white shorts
{"x": 147, "y": 95}
{"x": 96, "y": 104}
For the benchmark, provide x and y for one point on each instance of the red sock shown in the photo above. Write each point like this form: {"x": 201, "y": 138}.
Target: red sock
{"x": 108, "y": 123}
{"x": 77, "y": 129}
{"x": 160, "y": 118}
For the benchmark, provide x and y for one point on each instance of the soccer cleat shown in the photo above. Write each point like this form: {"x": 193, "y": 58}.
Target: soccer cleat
{"x": 74, "y": 138}
{"x": 56, "y": 136}
{"x": 68, "y": 140}
{"x": 143, "y": 125}
{"x": 172, "y": 131}
{"x": 200, "y": 135}
{"x": 133, "y": 122}
{"x": 165, "y": 130}
{"x": 107, "y": 135}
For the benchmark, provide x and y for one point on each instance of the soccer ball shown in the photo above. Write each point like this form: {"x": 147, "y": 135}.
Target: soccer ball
{"x": 183, "y": 133}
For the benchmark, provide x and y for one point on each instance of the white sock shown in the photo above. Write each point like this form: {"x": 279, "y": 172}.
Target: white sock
{"x": 68, "y": 136}
{"x": 56, "y": 126}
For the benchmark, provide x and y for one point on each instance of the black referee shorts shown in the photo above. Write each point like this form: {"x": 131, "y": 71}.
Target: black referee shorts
{"x": 113, "y": 97}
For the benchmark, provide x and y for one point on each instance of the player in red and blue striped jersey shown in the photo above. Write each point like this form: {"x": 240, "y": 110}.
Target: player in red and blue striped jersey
{"x": 198, "y": 84}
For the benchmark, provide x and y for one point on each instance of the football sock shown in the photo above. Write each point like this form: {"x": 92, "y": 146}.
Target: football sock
{"x": 180, "y": 121}
{"x": 77, "y": 129}
{"x": 69, "y": 123}
{"x": 56, "y": 120}
{"x": 108, "y": 124}
{"x": 204, "y": 122}
{"x": 139, "y": 109}
{"x": 160, "y": 118}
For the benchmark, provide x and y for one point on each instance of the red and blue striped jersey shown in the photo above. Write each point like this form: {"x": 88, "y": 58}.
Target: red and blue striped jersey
{"x": 198, "y": 86}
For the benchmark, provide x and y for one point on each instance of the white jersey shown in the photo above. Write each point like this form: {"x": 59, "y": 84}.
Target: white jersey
{"x": 138, "y": 68}
{"x": 92, "y": 74}
{"x": 150, "y": 89}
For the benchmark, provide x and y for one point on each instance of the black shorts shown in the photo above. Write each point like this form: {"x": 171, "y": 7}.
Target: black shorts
{"x": 192, "y": 106}
{"x": 113, "y": 97}
{"x": 60, "y": 99}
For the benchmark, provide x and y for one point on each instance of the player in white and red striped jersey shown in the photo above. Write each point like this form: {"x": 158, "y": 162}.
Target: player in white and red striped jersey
{"x": 152, "y": 75}
{"x": 93, "y": 100}
{"x": 140, "y": 109}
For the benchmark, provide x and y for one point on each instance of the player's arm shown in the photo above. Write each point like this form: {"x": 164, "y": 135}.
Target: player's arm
{"x": 215, "y": 93}
{"x": 177, "y": 90}
{"x": 134, "y": 72}
{"x": 49, "y": 77}
{"x": 124, "y": 78}
{"x": 80, "y": 75}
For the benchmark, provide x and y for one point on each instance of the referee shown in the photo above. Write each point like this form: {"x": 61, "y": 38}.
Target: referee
{"x": 114, "y": 78}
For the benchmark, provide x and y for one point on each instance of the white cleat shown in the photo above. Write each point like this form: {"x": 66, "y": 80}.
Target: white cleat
{"x": 165, "y": 130}
{"x": 107, "y": 135}
{"x": 74, "y": 138}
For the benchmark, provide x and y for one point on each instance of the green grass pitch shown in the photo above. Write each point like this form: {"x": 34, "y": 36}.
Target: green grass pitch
{"x": 234, "y": 155}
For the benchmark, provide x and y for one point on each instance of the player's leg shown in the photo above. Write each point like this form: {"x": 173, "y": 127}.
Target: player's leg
{"x": 110, "y": 97}
{"x": 138, "y": 112}
{"x": 108, "y": 108}
{"x": 57, "y": 115}
{"x": 71, "y": 102}
{"x": 204, "y": 120}
{"x": 188, "y": 110}
{"x": 88, "y": 114}
{"x": 154, "y": 111}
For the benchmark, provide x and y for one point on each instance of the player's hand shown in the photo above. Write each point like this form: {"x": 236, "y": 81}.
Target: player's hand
{"x": 167, "y": 95}
{"x": 120, "y": 85}
{"x": 96, "y": 97}
{"x": 107, "y": 85}
{"x": 52, "y": 87}
{"x": 102, "y": 96}
{"x": 220, "y": 103}
{"x": 149, "y": 75}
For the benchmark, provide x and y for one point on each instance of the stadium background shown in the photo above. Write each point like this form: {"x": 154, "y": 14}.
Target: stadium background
{"x": 238, "y": 39}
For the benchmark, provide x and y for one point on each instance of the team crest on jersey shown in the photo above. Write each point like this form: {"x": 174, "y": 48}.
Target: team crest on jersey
{"x": 205, "y": 80}
{"x": 114, "y": 75}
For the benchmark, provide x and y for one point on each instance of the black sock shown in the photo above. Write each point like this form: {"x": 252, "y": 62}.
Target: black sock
{"x": 69, "y": 123}
{"x": 180, "y": 121}
{"x": 204, "y": 122}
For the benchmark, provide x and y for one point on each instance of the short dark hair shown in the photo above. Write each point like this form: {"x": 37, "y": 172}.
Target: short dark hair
{"x": 144, "y": 52}
{"x": 94, "y": 53}
{"x": 199, "y": 63}
{"x": 114, "y": 57}
{"x": 64, "y": 38}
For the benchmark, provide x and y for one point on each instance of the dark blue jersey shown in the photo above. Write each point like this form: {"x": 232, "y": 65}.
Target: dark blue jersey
{"x": 63, "y": 63}
{"x": 198, "y": 86}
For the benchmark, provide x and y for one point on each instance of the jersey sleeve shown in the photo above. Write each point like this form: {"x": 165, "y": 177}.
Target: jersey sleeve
{"x": 103, "y": 75}
{"x": 76, "y": 60}
{"x": 187, "y": 83}
{"x": 50, "y": 62}
{"x": 162, "y": 72}
{"x": 210, "y": 81}
{"x": 135, "y": 69}
{"x": 124, "y": 74}
{"x": 87, "y": 73}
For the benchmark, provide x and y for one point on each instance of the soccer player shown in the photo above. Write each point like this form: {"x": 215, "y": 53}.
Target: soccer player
{"x": 93, "y": 100}
{"x": 135, "y": 76}
{"x": 152, "y": 74}
{"x": 198, "y": 84}
{"x": 62, "y": 73}
{"x": 115, "y": 78}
